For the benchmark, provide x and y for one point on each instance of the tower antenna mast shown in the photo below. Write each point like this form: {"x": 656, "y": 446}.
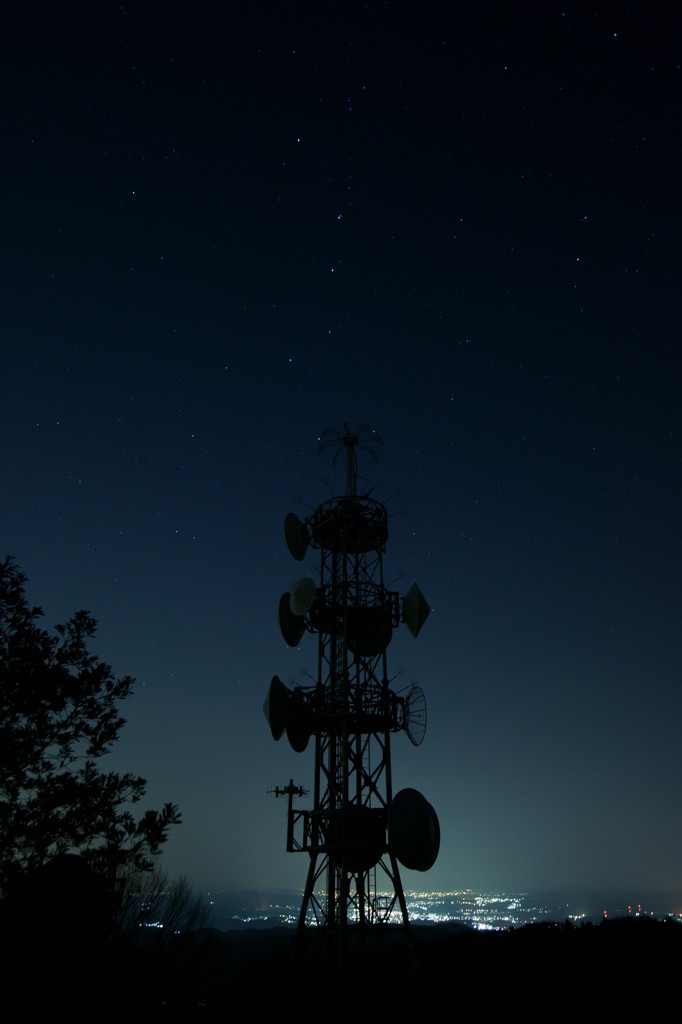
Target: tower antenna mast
{"x": 357, "y": 830}
{"x": 360, "y": 436}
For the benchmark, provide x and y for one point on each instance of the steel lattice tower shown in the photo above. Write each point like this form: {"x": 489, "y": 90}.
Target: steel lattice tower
{"x": 356, "y": 831}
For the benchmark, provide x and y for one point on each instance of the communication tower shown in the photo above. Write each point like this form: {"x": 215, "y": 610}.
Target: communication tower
{"x": 357, "y": 830}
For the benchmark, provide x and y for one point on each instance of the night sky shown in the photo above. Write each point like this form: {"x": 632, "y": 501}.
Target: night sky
{"x": 229, "y": 227}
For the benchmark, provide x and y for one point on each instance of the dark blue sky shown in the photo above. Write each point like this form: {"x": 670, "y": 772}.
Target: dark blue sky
{"x": 225, "y": 231}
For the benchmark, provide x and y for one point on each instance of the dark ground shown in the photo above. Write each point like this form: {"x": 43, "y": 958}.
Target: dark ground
{"x": 538, "y": 972}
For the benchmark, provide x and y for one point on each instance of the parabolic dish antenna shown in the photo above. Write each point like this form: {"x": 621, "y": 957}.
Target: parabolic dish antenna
{"x": 296, "y": 536}
{"x": 276, "y": 706}
{"x": 362, "y": 831}
{"x": 290, "y": 711}
{"x": 414, "y": 715}
{"x": 369, "y": 630}
{"x": 299, "y": 722}
{"x": 413, "y": 830}
{"x": 302, "y": 596}
{"x": 298, "y": 734}
{"x": 292, "y": 627}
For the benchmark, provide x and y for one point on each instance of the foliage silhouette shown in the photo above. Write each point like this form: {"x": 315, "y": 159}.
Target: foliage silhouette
{"x": 59, "y": 715}
{"x": 155, "y": 909}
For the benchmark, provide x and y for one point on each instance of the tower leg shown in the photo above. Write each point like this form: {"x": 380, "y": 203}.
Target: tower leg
{"x": 307, "y": 895}
{"x": 398, "y": 889}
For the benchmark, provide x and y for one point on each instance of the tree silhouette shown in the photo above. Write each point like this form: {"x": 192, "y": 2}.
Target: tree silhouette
{"x": 59, "y": 714}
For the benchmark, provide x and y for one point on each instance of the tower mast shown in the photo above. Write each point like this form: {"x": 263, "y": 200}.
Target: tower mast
{"x": 356, "y": 831}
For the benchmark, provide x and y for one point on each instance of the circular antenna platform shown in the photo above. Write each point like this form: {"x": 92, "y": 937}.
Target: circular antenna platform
{"x": 296, "y": 536}
{"x": 302, "y": 596}
{"x": 361, "y": 833}
{"x": 292, "y": 627}
{"x": 413, "y": 830}
{"x": 414, "y": 715}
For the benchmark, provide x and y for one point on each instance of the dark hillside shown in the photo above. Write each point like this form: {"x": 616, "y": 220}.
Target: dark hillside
{"x": 540, "y": 972}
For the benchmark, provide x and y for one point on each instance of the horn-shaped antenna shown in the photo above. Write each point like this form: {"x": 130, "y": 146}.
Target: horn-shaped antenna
{"x": 415, "y": 610}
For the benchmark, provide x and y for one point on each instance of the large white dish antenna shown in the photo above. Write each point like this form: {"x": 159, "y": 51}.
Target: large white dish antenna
{"x": 292, "y": 627}
{"x": 302, "y": 596}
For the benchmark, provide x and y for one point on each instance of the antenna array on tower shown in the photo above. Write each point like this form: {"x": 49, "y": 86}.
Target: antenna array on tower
{"x": 356, "y": 827}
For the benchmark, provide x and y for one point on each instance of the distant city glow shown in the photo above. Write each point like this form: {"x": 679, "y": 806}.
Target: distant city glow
{"x": 481, "y": 911}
